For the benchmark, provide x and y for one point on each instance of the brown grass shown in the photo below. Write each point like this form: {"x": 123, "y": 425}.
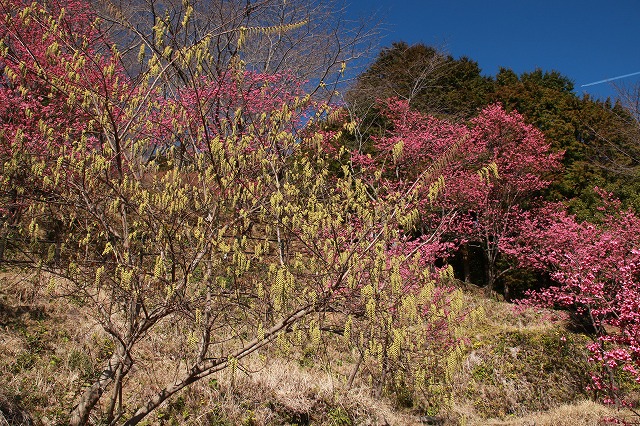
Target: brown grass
{"x": 47, "y": 349}
{"x": 581, "y": 413}
{"x": 282, "y": 392}
{"x": 517, "y": 371}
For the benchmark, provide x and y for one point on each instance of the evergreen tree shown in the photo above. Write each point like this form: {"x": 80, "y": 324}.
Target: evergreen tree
{"x": 429, "y": 80}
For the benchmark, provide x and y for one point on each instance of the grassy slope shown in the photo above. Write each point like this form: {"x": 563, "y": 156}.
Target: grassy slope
{"x": 521, "y": 368}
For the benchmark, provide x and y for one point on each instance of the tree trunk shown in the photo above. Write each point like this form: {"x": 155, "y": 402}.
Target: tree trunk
{"x": 80, "y": 414}
{"x": 466, "y": 267}
{"x": 490, "y": 271}
{"x": 354, "y": 372}
{"x": 211, "y": 366}
{"x": 4, "y": 232}
{"x": 10, "y": 219}
{"x": 88, "y": 400}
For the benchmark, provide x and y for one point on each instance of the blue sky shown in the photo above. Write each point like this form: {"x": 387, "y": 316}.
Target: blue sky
{"x": 586, "y": 40}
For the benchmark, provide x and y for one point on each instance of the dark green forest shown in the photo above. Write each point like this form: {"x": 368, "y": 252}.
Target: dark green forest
{"x": 598, "y": 137}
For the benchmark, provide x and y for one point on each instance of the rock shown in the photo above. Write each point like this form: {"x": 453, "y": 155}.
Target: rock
{"x": 431, "y": 420}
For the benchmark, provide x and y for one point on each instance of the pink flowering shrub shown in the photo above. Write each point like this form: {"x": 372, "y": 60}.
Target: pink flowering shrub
{"x": 596, "y": 271}
{"x": 474, "y": 179}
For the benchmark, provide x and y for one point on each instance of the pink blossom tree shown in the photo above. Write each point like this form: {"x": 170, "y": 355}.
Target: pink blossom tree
{"x": 492, "y": 199}
{"x": 596, "y": 273}
{"x": 45, "y": 62}
{"x": 487, "y": 173}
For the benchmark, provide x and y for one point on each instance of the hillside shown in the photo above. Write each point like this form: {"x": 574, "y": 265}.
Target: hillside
{"x": 519, "y": 367}
{"x": 194, "y": 230}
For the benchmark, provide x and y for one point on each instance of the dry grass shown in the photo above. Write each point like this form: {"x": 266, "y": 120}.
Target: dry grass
{"x": 282, "y": 392}
{"x": 47, "y": 349}
{"x": 581, "y": 413}
{"x": 519, "y": 362}
{"x": 517, "y": 371}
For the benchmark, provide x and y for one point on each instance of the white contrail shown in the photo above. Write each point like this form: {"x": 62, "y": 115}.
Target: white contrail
{"x": 611, "y": 79}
